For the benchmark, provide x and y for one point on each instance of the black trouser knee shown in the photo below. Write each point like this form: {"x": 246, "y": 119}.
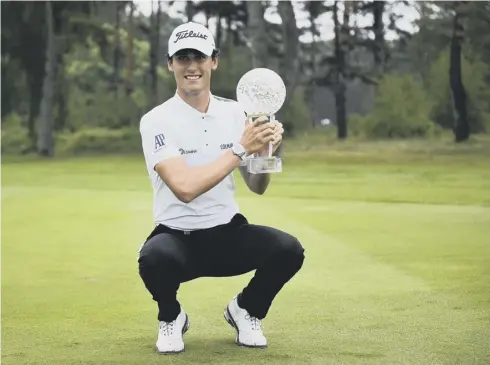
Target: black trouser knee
{"x": 160, "y": 267}
{"x": 273, "y": 274}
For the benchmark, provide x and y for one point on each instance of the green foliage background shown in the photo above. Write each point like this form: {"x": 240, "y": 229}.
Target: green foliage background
{"x": 412, "y": 99}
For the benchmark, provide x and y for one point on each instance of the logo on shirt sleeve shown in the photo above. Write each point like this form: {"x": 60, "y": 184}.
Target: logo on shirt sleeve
{"x": 159, "y": 142}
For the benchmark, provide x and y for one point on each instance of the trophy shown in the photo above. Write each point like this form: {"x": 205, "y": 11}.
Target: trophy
{"x": 261, "y": 92}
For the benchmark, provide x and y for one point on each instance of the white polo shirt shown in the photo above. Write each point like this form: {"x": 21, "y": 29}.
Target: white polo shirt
{"x": 174, "y": 128}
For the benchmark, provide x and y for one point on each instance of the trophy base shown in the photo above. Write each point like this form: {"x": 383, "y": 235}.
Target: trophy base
{"x": 264, "y": 165}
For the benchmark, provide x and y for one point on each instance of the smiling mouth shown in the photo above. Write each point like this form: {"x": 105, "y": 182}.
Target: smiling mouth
{"x": 193, "y": 77}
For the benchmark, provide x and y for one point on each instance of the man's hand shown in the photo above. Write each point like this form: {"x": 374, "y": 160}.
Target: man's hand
{"x": 273, "y": 131}
{"x": 257, "y": 135}
{"x": 276, "y": 141}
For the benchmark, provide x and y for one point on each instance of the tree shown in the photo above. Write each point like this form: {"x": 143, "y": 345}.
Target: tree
{"x": 232, "y": 14}
{"x": 379, "y": 49}
{"x": 257, "y": 35}
{"x": 342, "y": 32}
{"x": 337, "y": 67}
{"x": 461, "y": 126}
{"x": 289, "y": 65}
{"x": 24, "y": 38}
{"x": 430, "y": 39}
{"x": 25, "y": 44}
{"x": 190, "y": 10}
{"x": 117, "y": 50}
{"x": 129, "y": 52}
{"x": 45, "y": 141}
{"x": 309, "y": 68}
{"x": 154, "y": 45}
{"x": 477, "y": 32}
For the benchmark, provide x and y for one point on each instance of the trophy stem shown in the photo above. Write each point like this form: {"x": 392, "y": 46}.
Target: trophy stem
{"x": 272, "y": 119}
{"x": 257, "y": 164}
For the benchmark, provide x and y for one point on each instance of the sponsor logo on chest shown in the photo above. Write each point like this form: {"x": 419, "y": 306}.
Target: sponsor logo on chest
{"x": 225, "y": 146}
{"x": 187, "y": 152}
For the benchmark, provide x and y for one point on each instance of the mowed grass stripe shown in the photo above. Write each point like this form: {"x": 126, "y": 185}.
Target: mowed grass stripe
{"x": 458, "y": 179}
{"x": 60, "y": 309}
{"x": 408, "y": 314}
{"x": 72, "y": 295}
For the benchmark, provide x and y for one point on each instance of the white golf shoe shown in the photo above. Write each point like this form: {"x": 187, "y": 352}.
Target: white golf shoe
{"x": 170, "y": 334}
{"x": 248, "y": 328}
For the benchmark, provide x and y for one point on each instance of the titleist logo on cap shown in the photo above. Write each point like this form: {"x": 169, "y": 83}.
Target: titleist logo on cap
{"x": 189, "y": 34}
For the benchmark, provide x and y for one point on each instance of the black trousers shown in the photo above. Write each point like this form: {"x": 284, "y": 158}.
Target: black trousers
{"x": 170, "y": 257}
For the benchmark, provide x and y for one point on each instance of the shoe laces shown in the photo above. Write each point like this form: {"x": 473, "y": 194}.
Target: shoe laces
{"x": 167, "y": 328}
{"x": 255, "y": 322}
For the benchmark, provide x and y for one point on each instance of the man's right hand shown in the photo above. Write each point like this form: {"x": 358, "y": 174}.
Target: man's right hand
{"x": 256, "y": 135}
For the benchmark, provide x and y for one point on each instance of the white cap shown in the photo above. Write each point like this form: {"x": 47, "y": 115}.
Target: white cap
{"x": 191, "y": 35}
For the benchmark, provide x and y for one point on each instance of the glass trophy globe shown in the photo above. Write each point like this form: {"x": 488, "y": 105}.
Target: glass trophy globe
{"x": 261, "y": 92}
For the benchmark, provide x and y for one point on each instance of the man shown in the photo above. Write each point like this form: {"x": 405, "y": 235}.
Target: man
{"x": 192, "y": 143}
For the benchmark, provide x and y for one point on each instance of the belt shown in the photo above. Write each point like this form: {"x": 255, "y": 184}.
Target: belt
{"x": 178, "y": 231}
{"x": 238, "y": 219}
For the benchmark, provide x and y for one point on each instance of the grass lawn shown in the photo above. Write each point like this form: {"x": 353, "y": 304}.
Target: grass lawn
{"x": 397, "y": 266}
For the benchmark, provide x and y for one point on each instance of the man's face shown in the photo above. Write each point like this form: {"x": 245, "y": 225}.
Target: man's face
{"x": 192, "y": 70}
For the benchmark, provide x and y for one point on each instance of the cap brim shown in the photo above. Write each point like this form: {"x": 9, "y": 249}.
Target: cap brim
{"x": 203, "y": 47}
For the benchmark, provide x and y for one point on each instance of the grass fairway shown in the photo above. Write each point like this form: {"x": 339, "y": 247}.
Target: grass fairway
{"x": 397, "y": 266}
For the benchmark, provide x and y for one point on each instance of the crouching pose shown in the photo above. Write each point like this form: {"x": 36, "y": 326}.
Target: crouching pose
{"x": 192, "y": 143}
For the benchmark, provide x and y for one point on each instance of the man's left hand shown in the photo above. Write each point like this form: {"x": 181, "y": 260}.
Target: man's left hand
{"x": 278, "y": 131}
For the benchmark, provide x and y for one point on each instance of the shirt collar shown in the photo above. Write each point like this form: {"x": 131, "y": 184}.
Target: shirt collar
{"x": 212, "y": 108}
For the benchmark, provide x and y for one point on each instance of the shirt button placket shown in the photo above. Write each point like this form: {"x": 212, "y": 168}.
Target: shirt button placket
{"x": 205, "y": 130}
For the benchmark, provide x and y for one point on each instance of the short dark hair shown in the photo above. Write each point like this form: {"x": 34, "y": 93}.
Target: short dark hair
{"x": 215, "y": 54}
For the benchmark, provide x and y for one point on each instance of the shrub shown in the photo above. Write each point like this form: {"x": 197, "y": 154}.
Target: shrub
{"x": 15, "y": 137}
{"x": 357, "y": 125}
{"x": 401, "y": 110}
{"x": 98, "y": 140}
{"x": 295, "y": 116}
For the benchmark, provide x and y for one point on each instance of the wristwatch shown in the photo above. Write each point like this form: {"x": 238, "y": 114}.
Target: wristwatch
{"x": 239, "y": 150}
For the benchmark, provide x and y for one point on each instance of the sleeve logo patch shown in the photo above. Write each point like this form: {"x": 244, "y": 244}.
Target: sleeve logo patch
{"x": 159, "y": 141}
